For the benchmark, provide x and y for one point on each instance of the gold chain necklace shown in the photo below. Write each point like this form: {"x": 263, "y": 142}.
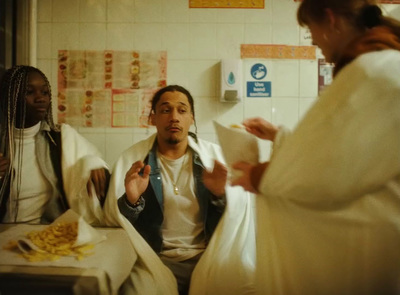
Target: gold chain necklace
{"x": 166, "y": 167}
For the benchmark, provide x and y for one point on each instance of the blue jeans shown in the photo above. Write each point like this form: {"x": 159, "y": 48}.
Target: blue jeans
{"x": 182, "y": 271}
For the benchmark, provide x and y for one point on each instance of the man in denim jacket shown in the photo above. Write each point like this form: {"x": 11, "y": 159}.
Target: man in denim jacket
{"x": 174, "y": 187}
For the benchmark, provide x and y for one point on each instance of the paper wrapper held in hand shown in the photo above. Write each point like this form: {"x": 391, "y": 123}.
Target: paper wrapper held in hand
{"x": 237, "y": 145}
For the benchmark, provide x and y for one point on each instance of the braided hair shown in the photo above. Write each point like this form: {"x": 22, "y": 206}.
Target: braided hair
{"x": 13, "y": 91}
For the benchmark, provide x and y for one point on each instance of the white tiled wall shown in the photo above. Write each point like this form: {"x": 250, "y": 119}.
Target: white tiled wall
{"x": 196, "y": 40}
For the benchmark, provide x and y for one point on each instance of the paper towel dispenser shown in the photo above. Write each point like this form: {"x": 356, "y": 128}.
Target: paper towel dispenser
{"x": 231, "y": 80}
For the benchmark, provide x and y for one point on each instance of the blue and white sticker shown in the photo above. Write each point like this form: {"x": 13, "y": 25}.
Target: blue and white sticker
{"x": 258, "y": 71}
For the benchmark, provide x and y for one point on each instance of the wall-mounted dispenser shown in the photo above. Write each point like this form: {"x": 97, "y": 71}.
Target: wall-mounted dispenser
{"x": 231, "y": 80}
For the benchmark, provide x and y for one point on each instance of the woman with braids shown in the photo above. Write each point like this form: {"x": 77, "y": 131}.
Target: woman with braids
{"x": 329, "y": 198}
{"x": 45, "y": 169}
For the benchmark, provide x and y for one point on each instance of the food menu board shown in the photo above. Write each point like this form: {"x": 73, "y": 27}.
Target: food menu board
{"x": 108, "y": 88}
{"x": 226, "y": 3}
{"x": 131, "y": 107}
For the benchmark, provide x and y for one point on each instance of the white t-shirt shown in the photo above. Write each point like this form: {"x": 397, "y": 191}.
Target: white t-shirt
{"x": 182, "y": 228}
{"x": 27, "y": 200}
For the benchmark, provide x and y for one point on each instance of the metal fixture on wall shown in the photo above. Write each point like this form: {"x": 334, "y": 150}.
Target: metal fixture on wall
{"x": 7, "y": 42}
{"x": 18, "y": 33}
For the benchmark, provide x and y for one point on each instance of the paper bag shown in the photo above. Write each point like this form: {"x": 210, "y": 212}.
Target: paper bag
{"x": 237, "y": 145}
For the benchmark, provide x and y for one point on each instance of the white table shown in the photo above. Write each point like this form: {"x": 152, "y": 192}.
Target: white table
{"x": 99, "y": 274}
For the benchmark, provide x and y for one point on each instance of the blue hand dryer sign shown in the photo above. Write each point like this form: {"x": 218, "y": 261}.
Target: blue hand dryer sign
{"x": 258, "y": 88}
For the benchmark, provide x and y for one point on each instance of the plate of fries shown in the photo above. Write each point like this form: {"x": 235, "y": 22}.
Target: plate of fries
{"x": 68, "y": 235}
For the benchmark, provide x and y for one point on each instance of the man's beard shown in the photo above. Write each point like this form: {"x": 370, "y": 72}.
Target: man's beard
{"x": 173, "y": 140}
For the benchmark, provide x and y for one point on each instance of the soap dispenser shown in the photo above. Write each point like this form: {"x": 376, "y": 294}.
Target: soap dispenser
{"x": 231, "y": 80}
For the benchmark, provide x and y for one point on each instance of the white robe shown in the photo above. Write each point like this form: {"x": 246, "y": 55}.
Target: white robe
{"x": 78, "y": 158}
{"x": 329, "y": 208}
{"x": 150, "y": 276}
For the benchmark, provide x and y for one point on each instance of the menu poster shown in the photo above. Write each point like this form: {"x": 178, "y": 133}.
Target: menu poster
{"x": 131, "y": 107}
{"x": 108, "y": 88}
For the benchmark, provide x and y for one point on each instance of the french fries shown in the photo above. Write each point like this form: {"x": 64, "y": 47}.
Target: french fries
{"x": 53, "y": 242}
{"x": 237, "y": 126}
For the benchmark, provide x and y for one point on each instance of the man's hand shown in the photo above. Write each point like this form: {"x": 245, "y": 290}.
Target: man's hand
{"x": 215, "y": 181}
{"x": 136, "y": 184}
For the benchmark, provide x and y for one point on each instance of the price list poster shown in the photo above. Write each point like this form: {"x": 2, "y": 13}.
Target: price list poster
{"x": 108, "y": 88}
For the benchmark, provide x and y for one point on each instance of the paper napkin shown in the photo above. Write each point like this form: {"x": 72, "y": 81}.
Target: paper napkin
{"x": 237, "y": 145}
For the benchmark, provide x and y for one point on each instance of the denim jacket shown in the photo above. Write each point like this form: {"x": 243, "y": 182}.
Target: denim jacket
{"x": 147, "y": 218}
